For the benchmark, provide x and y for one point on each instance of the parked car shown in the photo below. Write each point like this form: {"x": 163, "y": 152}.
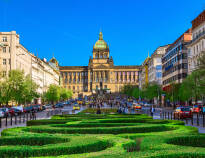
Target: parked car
{"x": 147, "y": 104}
{"x": 36, "y": 107}
{"x": 11, "y": 112}
{"x": 197, "y": 108}
{"x": 27, "y": 109}
{"x": 76, "y": 107}
{"x": 59, "y": 105}
{"x": 20, "y": 108}
{"x": 1, "y": 113}
{"x": 16, "y": 111}
{"x": 182, "y": 112}
{"x": 43, "y": 107}
{"x": 5, "y": 111}
{"x": 48, "y": 106}
{"x": 137, "y": 106}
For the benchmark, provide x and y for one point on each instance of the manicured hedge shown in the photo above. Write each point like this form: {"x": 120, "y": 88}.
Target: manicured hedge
{"x": 45, "y": 122}
{"x": 103, "y": 136}
{"x": 77, "y": 146}
{"x": 94, "y": 111}
{"x": 194, "y": 141}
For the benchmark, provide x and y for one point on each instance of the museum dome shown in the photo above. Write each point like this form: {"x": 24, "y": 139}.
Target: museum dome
{"x": 100, "y": 44}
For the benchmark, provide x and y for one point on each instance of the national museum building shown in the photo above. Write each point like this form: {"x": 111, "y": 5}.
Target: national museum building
{"x": 101, "y": 73}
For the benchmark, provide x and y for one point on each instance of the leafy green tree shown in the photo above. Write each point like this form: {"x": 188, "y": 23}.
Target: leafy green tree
{"x": 53, "y": 93}
{"x": 30, "y": 90}
{"x": 16, "y": 83}
{"x": 152, "y": 91}
{"x": 65, "y": 94}
{"x": 195, "y": 84}
{"x": 17, "y": 88}
{"x": 5, "y": 92}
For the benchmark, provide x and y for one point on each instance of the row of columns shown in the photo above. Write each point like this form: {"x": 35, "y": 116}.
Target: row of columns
{"x": 100, "y": 75}
{"x": 75, "y": 77}
{"x": 131, "y": 76}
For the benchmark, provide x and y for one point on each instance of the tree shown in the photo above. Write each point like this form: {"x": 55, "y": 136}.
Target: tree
{"x": 53, "y": 93}
{"x": 16, "y": 83}
{"x": 152, "y": 91}
{"x": 65, "y": 94}
{"x": 30, "y": 90}
{"x": 201, "y": 65}
{"x": 17, "y": 88}
{"x": 5, "y": 92}
{"x": 195, "y": 84}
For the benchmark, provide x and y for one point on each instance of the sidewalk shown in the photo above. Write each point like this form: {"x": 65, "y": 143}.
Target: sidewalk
{"x": 200, "y": 128}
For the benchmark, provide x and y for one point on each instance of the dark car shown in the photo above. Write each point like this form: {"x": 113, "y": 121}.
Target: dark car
{"x": 11, "y": 112}
{"x": 36, "y": 108}
{"x": 183, "y": 112}
{"x": 59, "y": 105}
{"x": 5, "y": 112}
{"x": 16, "y": 111}
{"x": 27, "y": 109}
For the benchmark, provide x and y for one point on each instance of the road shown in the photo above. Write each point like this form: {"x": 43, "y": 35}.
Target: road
{"x": 188, "y": 122}
{"x": 46, "y": 114}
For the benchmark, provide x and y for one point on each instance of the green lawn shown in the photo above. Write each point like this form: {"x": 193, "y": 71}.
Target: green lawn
{"x": 103, "y": 136}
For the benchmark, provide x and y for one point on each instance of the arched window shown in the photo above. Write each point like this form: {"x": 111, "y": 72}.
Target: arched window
{"x": 105, "y": 55}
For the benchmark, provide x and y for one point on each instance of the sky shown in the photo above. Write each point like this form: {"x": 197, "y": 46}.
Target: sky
{"x": 68, "y": 29}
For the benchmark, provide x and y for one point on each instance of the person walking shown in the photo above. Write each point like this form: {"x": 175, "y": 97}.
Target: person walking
{"x": 152, "y": 111}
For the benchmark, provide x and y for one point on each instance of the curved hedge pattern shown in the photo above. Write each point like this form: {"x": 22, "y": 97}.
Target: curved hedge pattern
{"x": 103, "y": 136}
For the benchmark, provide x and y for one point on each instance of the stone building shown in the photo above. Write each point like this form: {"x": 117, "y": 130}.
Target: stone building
{"x": 13, "y": 55}
{"x": 144, "y": 73}
{"x": 175, "y": 61}
{"x": 101, "y": 73}
{"x": 155, "y": 65}
{"x": 197, "y": 45}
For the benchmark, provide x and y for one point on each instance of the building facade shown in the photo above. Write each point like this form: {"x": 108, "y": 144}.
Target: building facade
{"x": 197, "y": 45}
{"x": 14, "y": 55}
{"x": 144, "y": 73}
{"x": 101, "y": 73}
{"x": 175, "y": 61}
{"x": 155, "y": 65}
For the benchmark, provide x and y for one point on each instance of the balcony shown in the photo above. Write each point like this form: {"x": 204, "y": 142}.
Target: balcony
{"x": 197, "y": 37}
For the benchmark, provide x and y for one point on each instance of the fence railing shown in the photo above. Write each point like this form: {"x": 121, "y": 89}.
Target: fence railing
{"x": 24, "y": 117}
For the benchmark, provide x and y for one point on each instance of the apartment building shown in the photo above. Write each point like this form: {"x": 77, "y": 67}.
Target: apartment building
{"x": 197, "y": 45}
{"x": 13, "y": 55}
{"x": 155, "y": 65}
{"x": 175, "y": 61}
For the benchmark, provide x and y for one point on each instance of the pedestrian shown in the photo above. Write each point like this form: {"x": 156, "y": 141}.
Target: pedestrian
{"x": 98, "y": 110}
{"x": 152, "y": 111}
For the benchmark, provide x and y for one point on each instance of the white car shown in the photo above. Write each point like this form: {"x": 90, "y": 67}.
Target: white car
{"x": 1, "y": 114}
{"x": 148, "y": 105}
{"x": 18, "y": 107}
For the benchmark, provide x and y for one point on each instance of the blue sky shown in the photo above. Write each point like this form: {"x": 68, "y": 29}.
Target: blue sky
{"x": 69, "y": 28}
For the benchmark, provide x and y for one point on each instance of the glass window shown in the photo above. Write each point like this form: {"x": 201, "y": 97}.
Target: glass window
{"x": 4, "y": 61}
{"x": 4, "y": 39}
{"x": 4, "y": 73}
{"x": 159, "y": 67}
{"x": 4, "y": 49}
{"x": 159, "y": 74}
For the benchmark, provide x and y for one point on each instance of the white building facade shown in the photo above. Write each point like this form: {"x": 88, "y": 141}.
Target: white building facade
{"x": 197, "y": 45}
{"x": 14, "y": 56}
{"x": 155, "y": 65}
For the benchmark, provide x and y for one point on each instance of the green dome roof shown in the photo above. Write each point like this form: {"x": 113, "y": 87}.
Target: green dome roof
{"x": 100, "y": 44}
